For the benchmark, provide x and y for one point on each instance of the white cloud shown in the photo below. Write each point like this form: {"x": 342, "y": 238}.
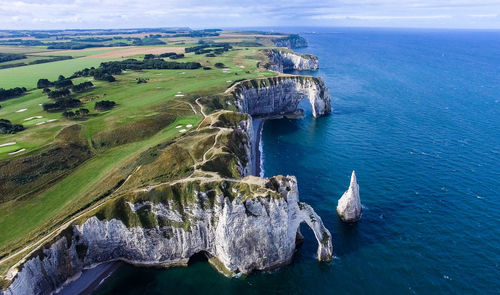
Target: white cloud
{"x": 49, "y": 14}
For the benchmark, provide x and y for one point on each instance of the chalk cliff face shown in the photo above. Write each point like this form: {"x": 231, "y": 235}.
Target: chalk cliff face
{"x": 281, "y": 95}
{"x": 291, "y": 41}
{"x": 247, "y": 225}
{"x": 349, "y": 205}
{"x": 285, "y": 60}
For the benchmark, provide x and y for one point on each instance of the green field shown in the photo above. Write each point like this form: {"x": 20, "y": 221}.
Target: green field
{"x": 105, "y": 147}
{"x": 114, "y": 133}
{"x": 27, "y": 76}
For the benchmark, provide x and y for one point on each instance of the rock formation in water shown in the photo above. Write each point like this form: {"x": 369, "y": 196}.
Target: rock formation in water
{"x": 349, "y": 205}
{"x": 291, "y": 41}
{"x": 244, "y": 226}
{"x": 281, "y": 95}
{"x": 281, "y": 60}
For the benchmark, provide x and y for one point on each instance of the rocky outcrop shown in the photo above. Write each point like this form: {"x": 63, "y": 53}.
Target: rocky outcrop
{"x": 247, "y": 225}
{"x": 281, "y": 95}
{"x": 349, "y": 205}
{"x": 281, "y": 60}
{"x": 291, "y": 41}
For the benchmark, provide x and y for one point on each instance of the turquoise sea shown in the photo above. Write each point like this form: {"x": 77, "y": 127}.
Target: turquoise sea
{"x": 417, "y": 114}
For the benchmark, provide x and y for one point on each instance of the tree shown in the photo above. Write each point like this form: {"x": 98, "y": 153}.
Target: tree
{"x": 104, "y": 105}
{"x": 84, "y": 112}
{"x": 68, "y": 114}
{"x": 44, "y": 83}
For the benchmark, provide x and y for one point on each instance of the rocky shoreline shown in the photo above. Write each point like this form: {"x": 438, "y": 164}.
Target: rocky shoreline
{"x": 227, "y": 226}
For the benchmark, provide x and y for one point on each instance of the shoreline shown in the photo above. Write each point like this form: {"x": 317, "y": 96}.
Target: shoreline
{"x": 89, "y": 279}
{"x": 256, "y": 146}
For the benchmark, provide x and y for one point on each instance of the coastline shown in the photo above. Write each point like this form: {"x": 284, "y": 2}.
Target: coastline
{"x": 89, "y": 279}
{"x": 256, "y": 145}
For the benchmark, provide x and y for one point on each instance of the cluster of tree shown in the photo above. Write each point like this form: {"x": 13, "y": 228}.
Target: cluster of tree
{"x": 104, "y": 105}
{"x": 100, "y": 73}
{"x": 82, "y": 86}
{"x": 59, "y": 93}
{"x": 20, "y": 42}
{"x": 6, "y": 127}
{"x": 78, "y": 114}
{"x": 219, "y": 65}
{"x": 94, "y": 39}
{"x": 11, "y": 93}
{"x": 34, "y": 62}
{"x": 4, "y": 57}
{"x": 61, "y": 82}
{"x": 116, "y": 67}
{"x": 171, "y": 55}
{"x": 61, "y": 104}
{"x": 148, "y": 41}
{"x": 214, "y": 48}
{"x": 72, "y": 45}
{"x": 197, "y": 34}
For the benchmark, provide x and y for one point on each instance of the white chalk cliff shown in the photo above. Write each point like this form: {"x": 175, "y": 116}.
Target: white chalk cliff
{"x": 244, "y": 224}
{"x": 281, "y": 95}
{"x": 244, "y": 233}
{"x": 281, "y": 60}
{"x": 349, "y": 205}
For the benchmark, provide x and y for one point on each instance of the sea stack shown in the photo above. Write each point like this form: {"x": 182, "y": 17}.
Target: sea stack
{"x": 349, "y": 205}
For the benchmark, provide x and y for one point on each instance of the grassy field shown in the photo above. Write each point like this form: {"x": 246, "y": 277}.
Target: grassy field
{"x": 27, "y": 76}
{"x": 141, "y": 111}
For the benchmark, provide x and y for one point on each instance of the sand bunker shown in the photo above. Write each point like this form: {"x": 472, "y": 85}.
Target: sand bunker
{"x": 40, "y": 123}
{"x": 7, "y": 144}
{"x": 31, "y": 118}
{"x": 180, "y": 126}
{"x": 51, "y": 120}
{"x": 21, "y": 110}
{"x": 179, "y": 95}
{"x": 17, "y": 152}
{"x": 182, "y": 130}
{"x": 189, "y": 125}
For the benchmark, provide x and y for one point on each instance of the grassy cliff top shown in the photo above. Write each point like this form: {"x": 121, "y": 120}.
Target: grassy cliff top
{"x": 177, "y": 125}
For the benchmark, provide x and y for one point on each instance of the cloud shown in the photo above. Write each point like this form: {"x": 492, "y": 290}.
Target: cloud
{"x": 54, "y": 14}
{"x": 380, "y": 17}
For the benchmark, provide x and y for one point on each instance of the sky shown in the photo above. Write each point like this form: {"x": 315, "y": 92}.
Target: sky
{"x": 79, "y": 14}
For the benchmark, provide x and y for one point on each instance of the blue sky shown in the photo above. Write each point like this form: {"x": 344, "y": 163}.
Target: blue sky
{"x": 50, "y": 14}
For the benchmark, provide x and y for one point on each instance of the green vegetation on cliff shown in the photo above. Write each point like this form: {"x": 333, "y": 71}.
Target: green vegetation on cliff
{"x": 63, "y": 168}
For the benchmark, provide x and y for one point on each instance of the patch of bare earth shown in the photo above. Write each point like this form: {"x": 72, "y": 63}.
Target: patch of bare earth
{"x": 132, "y": 51}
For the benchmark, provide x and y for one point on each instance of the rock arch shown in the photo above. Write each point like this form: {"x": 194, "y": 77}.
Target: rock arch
{"x": 281, "y": 95}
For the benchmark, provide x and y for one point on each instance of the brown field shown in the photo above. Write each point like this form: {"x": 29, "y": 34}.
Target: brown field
{"x": 82, "y": 50}
{"x": 117, "y": 52}
{"x": 132, "y": 51}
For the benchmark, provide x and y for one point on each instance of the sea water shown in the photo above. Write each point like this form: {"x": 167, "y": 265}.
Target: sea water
{"x": 417, "y": 114}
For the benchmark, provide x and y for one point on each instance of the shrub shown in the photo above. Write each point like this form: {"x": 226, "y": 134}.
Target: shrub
{"x": 104, "y": 105}
{"x": 60, "y": 93}
{"x": 44, "y": 83}
{"x": 61, "y": 104}
{"x": 6, "y": 127}
{"x": 220, "y": 65}
{"x": 11, "y": 93}
{"x": 82, "y": 86}
{"x": 63, "y": 83}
